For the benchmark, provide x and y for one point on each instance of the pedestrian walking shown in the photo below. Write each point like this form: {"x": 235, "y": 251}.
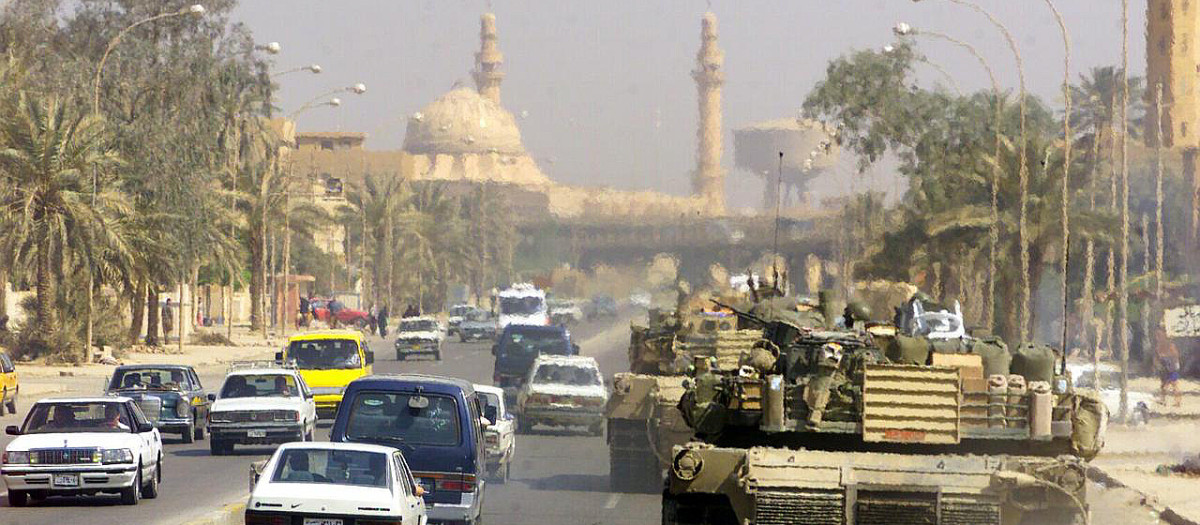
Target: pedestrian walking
{"x": 168, "y": 320}
{"x": 382, "y": 320}
{"x": 1168, "y": 366}
{"x": 304, "y": 312}
{"x": 372, "y": 318}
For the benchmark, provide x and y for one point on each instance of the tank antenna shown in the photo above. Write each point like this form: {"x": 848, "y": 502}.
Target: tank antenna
{"x": 775, "y": 245}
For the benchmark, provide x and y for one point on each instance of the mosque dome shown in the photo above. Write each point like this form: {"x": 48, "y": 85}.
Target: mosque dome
{"x": 462, "y": 122}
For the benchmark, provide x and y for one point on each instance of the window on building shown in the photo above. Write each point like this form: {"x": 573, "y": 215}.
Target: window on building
{"x": 326, "y": 144}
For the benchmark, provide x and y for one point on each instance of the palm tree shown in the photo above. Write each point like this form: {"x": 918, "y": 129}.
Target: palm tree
{"x": 51, "y": 148}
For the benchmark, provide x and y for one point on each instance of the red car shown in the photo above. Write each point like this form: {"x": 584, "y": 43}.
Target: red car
{"x": 345, "y": 316}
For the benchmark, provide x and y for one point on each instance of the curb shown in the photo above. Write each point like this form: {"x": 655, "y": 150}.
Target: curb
{"x": 1165, "y": 513}
{"x": 230, "y": 514}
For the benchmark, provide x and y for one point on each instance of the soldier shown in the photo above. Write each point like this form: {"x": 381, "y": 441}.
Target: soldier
{"x": 816, "y": 392}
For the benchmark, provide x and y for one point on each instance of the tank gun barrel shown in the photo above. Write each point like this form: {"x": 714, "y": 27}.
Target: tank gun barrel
{"x": 743, "y": 315}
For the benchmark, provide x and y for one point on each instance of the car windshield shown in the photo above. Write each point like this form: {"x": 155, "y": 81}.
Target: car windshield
{"x": 423, "y": 325}
{"x": 558, "y": 374}
{"x": 325, "y": 354}
{"x": 478, "y": 316}
{"x": 98, "y": 416}
{"x": 520, "y": 305}
{"x": 336, "y": 467}
{"x": 150, "y": 379}
{"x": 260, "y": 385}
{"x": 460, "y": 310}
{"x": 395, "y": 418}
{"x": 540, "y": 342}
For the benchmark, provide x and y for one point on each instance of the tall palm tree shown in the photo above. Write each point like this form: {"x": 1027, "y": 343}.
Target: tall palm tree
{"x": 50, "y": 149}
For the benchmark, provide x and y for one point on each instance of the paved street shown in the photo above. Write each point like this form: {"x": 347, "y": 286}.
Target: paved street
{"x": 556, "y": 478}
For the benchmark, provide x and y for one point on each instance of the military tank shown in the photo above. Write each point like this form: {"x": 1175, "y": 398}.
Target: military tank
{"x": 829, "y": 426}
{"x": 643, "y": 421}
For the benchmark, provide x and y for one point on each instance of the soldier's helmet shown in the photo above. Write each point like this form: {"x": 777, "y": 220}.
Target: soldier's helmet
{"x": 858, "y": 310}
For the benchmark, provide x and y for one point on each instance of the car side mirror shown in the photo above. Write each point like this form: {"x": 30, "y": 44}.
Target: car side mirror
{"x": 212, "y": 397}
{"x": 370, "y": 357}
{"x": 145, "y": 427}
{"x": 12, "y": 430}
{"x": 278, "y": 357}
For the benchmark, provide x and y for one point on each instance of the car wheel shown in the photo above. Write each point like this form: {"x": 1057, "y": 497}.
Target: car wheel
{"x": 462, "y": 338}
{"x": 399, "y": 356}
{"x": 150, "y": 491}
{"x": 216, "y": 448}
{"x": 18, "y": 498}
{"x": 524, "y": 425}
{"x": 437, "y": 354}
{"x": 12, "y": 405}
{"x": 133, "y": 494}
{"x": 188, "y": 434}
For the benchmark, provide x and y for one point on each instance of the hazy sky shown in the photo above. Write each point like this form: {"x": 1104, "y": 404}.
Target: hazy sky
{"x": 606, "y": 84}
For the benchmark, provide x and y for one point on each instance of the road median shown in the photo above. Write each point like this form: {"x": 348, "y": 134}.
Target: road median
{"x": 230, "y": 514}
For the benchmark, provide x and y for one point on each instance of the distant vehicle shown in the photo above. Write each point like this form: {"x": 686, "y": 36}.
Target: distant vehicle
{"x": 523, "y": 304}
{"x": 261, "y": 404}
{"x": 456, "y": 315}
{"x": 565, "y": 313}
{"x": 171, "y": 396}
{"x": 519, "y": 345}
{"x": 1083, "y": 376}
{"x": 600, "y": 307}
{"x": 334, "y": 484}
{"x": 640, "y": 299}
{"x": 478, "y": 325}
{"x": 436, "y": 422}
{"x": 563, "y": 391}
{"x": 419, "y": 336}
{"x": 9, "y": 383}
{"x": 345, "y": 316}
{"x": 328, "y": 360}
{"x": 499, "y": 437}
{"x": 83, "y": 446}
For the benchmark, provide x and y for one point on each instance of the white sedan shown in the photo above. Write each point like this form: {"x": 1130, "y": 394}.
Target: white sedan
{"x": 261, "y": 405}
{"x": 83, "y": 446}
{"x": 336, "y": 484}
{"x": 499, "y": 437}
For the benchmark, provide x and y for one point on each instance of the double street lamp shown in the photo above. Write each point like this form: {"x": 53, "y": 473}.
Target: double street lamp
{"x": 319, "y": 100}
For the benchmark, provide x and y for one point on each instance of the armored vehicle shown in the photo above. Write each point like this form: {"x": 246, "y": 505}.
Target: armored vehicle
{"x": 829, "y": 427}
{"x": 643, "y": 421}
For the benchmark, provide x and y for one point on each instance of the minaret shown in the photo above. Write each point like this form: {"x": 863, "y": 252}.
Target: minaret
{"x": 488, "y": 60}
{"x": 708, "y": 182}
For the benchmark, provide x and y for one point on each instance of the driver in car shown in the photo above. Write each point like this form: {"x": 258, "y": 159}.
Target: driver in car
{"x": 113, "y": 418}
{"x": 281, "y": 387}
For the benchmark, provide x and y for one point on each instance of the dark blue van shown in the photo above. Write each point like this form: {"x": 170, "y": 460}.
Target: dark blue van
{"x": 435, "y": 422}
{"x": 520, "y": 344}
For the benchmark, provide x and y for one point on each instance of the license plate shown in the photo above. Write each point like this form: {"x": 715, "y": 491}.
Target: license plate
{"x": 256, "y": 433}
{"x": 416, "y": 347}
{"x": 66, "y": 480}
{"x": 322, "y": 521}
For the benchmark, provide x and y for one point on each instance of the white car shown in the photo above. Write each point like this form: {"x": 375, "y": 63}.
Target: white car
{"x": 499, "y": 438}
{"x": 83, "y": 446}
{"x": 261, "y": 405}
{"x": 565, "y": 313}
{"x": 456, "y": 315}
{"x": 1083, "y": 376}
{"x": 336, "y": 484}
{"x": 563, "y": 391}
{"x": 419, "y": 336}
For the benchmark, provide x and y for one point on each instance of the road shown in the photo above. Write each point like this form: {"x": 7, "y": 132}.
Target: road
{"x": 556, "y": 478}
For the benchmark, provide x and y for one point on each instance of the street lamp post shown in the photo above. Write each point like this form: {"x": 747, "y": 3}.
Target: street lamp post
{"x": 1066, "y": 194}
{"x": 903, "y": 29}
{"x": 1022, "y": 171}
{"x": 194, "y": 9}
{"x": 314, "y": 68}
{"x": 357, "y": 89}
